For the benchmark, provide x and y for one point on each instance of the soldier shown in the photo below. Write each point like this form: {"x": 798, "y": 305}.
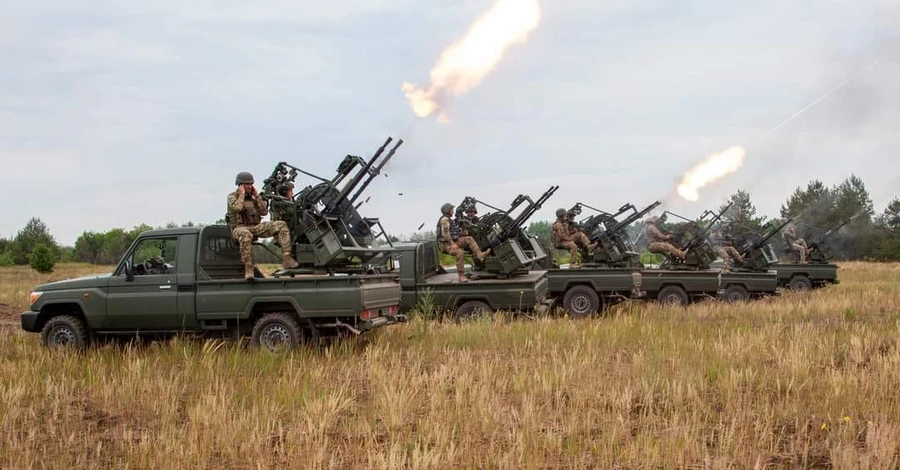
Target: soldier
{"x": 567, "y": 237}
{"x": 793, "y": 242}
{"x": 724, "y": 248}
{"x": 658, "y": 242}
{"x": 281, "y": 208}
{"x": 452, "y": 242}
{"x": 245, "y": 212}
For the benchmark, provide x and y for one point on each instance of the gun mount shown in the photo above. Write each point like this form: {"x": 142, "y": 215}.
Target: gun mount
{"x": 757, "y": 250}
{"x": 327, "y": 231}
{"x": 694, "y": 241}
{"x": 512, "y": 250}
{"x": 615, "y": 248}
{"x": 818, "y": 250}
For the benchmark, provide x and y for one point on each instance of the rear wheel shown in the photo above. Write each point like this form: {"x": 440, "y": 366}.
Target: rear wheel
{"x": 735, "y": 294}
{"x": 800, "y": 284}
{"x": 471, "y": 310}
{"x": 673, "y": 295}
{"x": 277, "y": 332}
{"x": 581, "y": 301}
{"x": 65, "y": 331}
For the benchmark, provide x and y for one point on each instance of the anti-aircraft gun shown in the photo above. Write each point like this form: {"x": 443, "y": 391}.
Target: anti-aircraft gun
{"x": 818, "y": 251}
{"x": 758, "y": 252}
{"x": 694, "y": 236}
{"x": 327, "y": 231}
{"x": 512, "y": 250}
{"x": 614, "y": 247}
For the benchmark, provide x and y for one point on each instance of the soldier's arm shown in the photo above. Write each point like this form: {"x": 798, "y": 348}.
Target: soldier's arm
{"x": 445, "y": 229}
{"x": 261, "y": 205}
{"x": 234, "y": 203}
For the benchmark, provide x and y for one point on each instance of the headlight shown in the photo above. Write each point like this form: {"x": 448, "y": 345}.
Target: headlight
{"x": 34, "y": 297}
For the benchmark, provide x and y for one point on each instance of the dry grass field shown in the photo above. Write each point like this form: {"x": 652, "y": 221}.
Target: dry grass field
{"x": 800, "y": 381}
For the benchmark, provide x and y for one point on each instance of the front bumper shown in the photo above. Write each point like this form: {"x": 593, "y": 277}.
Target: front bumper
{"x": 29, "y": 321}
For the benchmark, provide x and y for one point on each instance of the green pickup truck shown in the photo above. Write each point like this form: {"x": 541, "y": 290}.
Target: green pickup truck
{"x": 190, "y": 280}
{"x": 422, "y": 276}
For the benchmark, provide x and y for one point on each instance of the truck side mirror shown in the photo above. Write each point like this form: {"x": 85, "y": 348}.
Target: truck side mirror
{"x": 129, "y": 271}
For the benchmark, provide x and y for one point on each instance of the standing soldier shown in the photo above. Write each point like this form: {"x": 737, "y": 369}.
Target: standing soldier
{"x": 245, "y": 212}
{"x": 658, "y": 242}
{"x": 452, "y": 242}
{"x": 793, "y": 242}
{"x": 723, "y": 245}
{"x": 565, "y": 237}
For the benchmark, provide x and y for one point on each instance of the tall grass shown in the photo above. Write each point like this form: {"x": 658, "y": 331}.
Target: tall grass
{"x": 802, "y": 381}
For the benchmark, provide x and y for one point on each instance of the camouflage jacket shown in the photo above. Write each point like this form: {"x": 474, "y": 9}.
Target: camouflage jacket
{"x": 654, "y": 235}
{"x": 560, "y": 232}
{"x": 247, "y": 211}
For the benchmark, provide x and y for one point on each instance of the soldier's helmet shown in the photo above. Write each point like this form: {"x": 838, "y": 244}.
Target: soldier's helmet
{"x": 653, "y": 219}
{"x": 560, "y": 212}
{"x": 471, "y": 210}
{"x": 447, "y": 207}
{"x": 243, "y": 177}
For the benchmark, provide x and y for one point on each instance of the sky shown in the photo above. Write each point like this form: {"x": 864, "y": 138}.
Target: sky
{"x": 114, "y": 114}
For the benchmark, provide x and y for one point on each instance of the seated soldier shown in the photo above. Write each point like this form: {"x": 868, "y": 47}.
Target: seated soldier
{"x": 567, "y": 237}
{"x": 452, "y": 242}
{"x": 723, "y": 245}
{"x": 794, "y": 243}
{"x": 245, "y": 212}
{"x": 658, "y": 242}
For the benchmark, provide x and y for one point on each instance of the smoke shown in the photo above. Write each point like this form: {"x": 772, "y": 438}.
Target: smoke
{"x": 714, "y": 167}
{"x": 465, "y": 63}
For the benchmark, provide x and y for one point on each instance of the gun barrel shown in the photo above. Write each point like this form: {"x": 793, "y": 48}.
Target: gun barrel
{"x": 358, "y": 178}
{"x": 630, "y": 219}
{"x": 384, "y": 161}
{"x": 529, "y": 211}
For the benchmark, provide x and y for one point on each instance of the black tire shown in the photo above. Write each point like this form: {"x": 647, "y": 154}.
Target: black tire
{"x": 800, "y": 284}
{"x": 735, "y": 294}
{"x": 275, "y": 332}
{"x": 471, "y": 310}
{"x": 65, "y": 331}
{"x": 673, "y": 295}
{"x": 581, "y": 301}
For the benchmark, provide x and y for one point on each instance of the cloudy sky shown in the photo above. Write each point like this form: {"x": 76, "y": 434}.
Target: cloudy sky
{"x": 115, "y": 113}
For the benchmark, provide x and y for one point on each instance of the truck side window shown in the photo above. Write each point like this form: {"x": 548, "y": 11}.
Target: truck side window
{"x": 155, "y": 256}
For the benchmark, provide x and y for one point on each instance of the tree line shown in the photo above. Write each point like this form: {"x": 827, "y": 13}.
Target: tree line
{"x": 815, "y": 209}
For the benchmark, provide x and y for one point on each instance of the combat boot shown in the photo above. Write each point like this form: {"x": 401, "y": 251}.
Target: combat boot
{"x": 463, "y": 278}
{"x": 248, "y": 272}
{"x": 484, "y": 254}
{"x": 289, "y": 262}
{"x": 593, "y": 246}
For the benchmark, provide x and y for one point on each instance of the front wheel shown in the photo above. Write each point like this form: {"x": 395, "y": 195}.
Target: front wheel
{"x": 471, "y": 310}
{"x": 800, "y": 284}
{"x": 65, "y": 331}
{"x": 581, "y": 301}
{"x": 276, "y": 332}
{"x": 734, "y": 294}
{"x": 673, "y": 296}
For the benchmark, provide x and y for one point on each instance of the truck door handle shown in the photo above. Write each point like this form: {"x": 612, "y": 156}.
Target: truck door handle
{"x": 165, "y": 287}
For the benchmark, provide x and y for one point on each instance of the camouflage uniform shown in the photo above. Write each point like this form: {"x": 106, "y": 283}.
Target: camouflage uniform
{"x": 246, "y": 219}
{"x": 568, "y": 238}
{"x": 795, "y": 243}
{"x": 723, "y": 249}
{"x": 658, "y": 242}
{"x": 453, "y": 243}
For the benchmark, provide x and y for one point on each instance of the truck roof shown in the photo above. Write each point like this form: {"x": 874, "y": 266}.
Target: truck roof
{"x": 181, "y": 230}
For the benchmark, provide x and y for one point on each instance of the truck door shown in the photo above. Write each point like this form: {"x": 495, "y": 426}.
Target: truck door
{"x": 145, "y": 295}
